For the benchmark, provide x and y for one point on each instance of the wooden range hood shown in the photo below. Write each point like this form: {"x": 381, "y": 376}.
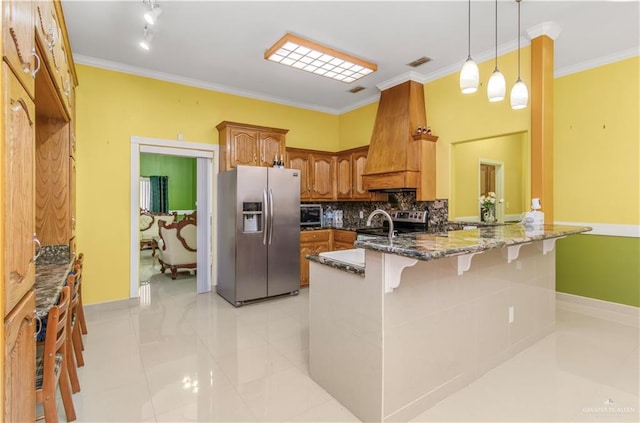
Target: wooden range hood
{"x": 399, "y": 159}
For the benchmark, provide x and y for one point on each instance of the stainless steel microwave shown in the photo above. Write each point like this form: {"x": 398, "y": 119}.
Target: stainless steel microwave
{"x": 310, "y": 216}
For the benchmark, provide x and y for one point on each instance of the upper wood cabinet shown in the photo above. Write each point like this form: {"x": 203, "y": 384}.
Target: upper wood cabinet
{"x": 249, "y": 145}
{"x": 18, "y": 137}
{"x": 350, "y": 165}
{"x": 18, "y": 41}
{"x": 317, "y": 173}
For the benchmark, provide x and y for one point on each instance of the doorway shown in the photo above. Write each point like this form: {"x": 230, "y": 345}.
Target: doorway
{"x": 206, "y": 156}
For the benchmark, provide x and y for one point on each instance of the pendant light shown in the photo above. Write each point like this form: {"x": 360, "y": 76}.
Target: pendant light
{"x": 469, "y": 74}
{"x": 497, "y": 87}
{"x": 519, "y": 92}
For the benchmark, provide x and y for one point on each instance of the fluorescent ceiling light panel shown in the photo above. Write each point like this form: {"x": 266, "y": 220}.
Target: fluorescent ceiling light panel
{"x": 309, "y": 56}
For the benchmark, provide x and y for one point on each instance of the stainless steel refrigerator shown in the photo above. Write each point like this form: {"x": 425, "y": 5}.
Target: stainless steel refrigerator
{"x": 258, "y": 233}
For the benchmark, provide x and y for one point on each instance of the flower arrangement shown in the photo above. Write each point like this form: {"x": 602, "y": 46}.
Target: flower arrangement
{"x": 489, "y": 201}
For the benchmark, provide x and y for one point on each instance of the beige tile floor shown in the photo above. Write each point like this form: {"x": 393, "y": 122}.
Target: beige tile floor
{"x": 181, "y": 357}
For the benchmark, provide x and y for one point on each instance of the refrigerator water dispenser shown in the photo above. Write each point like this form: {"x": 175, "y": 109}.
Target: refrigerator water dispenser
{"x": 252, "y": 217}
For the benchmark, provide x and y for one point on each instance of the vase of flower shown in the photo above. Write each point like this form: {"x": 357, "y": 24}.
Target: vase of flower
{"x": 488, "y": 207}
{"x": 489, "y": 215}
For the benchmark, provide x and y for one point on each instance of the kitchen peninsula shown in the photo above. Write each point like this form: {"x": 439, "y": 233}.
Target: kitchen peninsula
{"x": 427, "y": 314}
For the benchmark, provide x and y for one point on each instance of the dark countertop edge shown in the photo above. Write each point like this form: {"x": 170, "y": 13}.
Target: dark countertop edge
{"x": 490, "y": 244}
{"x": 43, "y": 282}
{"x": 349, "y": 268}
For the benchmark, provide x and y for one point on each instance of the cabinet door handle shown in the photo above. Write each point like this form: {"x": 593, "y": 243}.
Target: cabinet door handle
{"x": 38, "y": 248}
{"x": 33, "y": 52}
{"x": 38, "y": 326}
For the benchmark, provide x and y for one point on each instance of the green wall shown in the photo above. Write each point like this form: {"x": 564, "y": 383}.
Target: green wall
{"x": 602, "y": 267}
{"x": 182, "y": 177}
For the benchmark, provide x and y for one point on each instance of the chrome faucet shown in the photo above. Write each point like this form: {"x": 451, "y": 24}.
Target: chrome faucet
{"x": 387, "y": 216}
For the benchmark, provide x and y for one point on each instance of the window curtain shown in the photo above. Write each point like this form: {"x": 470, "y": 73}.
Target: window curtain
{"x": 159, "y": 194}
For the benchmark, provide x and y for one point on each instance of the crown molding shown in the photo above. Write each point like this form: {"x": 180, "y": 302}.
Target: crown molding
{"x": 365, "y": 102}
{"x": 133, "y": 70}
{"x": 550, "y": 29}
{"x": 600, "y": 61}
{"x": 407, "y": 76}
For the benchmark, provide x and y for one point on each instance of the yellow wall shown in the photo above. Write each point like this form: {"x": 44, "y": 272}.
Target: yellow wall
{"x": 112, "y": 107}
{"x": 466, "y": 173}
{"x": 456, "y": 117}
{"x": 597, "y": 145}
{"x": 356, "y": 126}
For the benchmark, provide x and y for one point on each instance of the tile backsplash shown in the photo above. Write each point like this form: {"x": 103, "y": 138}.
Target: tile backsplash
{"x": 438, "y": 209}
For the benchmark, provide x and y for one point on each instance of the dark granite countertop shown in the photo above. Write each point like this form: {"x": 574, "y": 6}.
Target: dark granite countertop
{"x": 52, "y": 268}
{"x": 336, "y": 264}
{"x": 431, "y": 246}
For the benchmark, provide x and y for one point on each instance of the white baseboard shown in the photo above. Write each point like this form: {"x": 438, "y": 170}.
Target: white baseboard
{"x": 619, "y": 313}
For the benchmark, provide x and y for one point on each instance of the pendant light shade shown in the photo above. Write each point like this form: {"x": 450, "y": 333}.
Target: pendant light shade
{"x": 519, "y": 92}
{"x": 497, "y": 87}
{"x": 519, "y": 95}
{"x": 469, "y": 74}
{"x": 469, "y": 77}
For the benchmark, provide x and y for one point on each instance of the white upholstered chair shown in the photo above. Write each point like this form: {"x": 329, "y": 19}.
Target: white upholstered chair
{"x": 177, "y": 246}
{"x": 149, "y": 228}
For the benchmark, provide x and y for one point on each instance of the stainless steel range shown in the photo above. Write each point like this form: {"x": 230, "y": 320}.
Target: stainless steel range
{"x": 404, "y": 221}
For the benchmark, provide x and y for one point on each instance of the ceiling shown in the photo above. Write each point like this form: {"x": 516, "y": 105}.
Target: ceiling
{"x": 221, "y": 45}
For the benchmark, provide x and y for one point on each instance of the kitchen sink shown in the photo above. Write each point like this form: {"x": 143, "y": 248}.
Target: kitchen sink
{"x": 353, "y": 257}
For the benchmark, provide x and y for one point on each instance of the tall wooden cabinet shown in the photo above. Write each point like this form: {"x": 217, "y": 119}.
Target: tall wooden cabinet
{"x": 249, "y": 145}
{"x": 36, "y": 177}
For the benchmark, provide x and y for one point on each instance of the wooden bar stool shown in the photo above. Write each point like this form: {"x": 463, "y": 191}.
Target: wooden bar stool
{"x": 51, "y": 363}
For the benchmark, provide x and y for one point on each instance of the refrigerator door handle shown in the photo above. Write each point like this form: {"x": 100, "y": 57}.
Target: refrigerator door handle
{"x": 265, "y": 202}
{"x": 270, "y": 215}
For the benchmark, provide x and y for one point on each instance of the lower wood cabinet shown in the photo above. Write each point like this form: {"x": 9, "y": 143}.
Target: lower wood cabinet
{"x": 19, "y": 362}
{"x": 315, "y": 242}
{"x": 312, "y": 242}
{"x": 343, "y": 240}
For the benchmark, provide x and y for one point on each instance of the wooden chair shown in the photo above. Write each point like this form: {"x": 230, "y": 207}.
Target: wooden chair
{"x": 73, "y": 334}
{"x": 76, "y": 332}
{"x": 51, "y": 363}
{"x": 83, "y": 323}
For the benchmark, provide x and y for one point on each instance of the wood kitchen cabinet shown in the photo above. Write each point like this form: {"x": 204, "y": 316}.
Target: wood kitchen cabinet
{"x": 249, "y": 145}
{"x": 37, "y": 103}
{"x": 18, "y": 43}
{"x": 19, "y": 190}
{"x": 312, "y": 242}
{"x": 350, "y": 166}
{"x": 317, "y": 173}
{"x": 20, "y": 359}
{"x": 319, "y": 241}
{"x": 343, "y": 240}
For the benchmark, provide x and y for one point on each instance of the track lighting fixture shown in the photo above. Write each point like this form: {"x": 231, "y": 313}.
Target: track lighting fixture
{"x": 151, "y": 15}
{"x": 145, "y": 44}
